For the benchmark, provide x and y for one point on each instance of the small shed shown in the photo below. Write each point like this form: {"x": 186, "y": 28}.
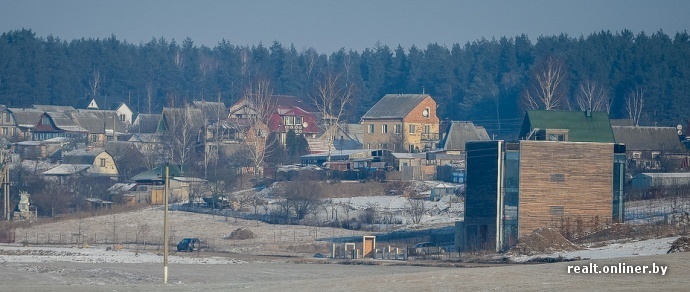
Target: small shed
{"x": 441, "y": 190}
{"x": 650, "y": 180}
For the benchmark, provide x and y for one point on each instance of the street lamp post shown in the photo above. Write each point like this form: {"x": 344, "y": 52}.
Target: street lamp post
{"x": 165, "y": 226}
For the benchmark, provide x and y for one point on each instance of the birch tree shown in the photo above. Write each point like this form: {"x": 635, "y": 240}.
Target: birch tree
{"x": 546, "y": 89}
{"x": 592, "y": 96}
{"x": 634, "y": 104}
{"x": 258, "y": 110}
{"x": 331, "y": 98}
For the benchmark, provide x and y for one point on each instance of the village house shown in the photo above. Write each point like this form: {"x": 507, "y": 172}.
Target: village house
{"x": 651, "y": 148}
{"x": 120, "y": 110}
{"x": 17, "y": 123}
{"x": 60, "y": 124}
{"x": 95, "y": 162}
{"x": 458, "y": 134}
{"x": 402, "y": 122}
{"x": 284, "y": 114}
{"x": 569, "y": 170}
{"x": 145, "y": 123}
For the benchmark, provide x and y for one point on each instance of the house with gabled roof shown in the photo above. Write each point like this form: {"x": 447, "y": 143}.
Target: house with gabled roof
{"x": 573, "y": 126}
{"x": 402, "y": 122}
{"x": 145, "y": 123}
{"x": 286, "y": 113}
{"x": 18, "y": 123}
{"x": 58, "y": 124}
{"x": 120, "y": 109}
{"x": 647, "y": 147}
{"x": 94, "y": 161}
{"x": 458, "y": 134}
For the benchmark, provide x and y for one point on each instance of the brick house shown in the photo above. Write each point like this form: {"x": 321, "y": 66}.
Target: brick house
{"x": 401, "y": 123}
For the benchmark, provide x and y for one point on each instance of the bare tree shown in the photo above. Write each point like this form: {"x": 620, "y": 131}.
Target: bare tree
{"x": 546, "y": 91}
{"x": 634, "y": 104}
{"x": 259, "y": 108}
{"x": 331, "y": 99}
{"x": 417, "y": 209}
{"x": 95, "y": 83}
{"x": 149, "y": 94}
{"x": 183, "y": 130}
{"x": 301, "y": 197}
{"x": 592, "y": 96}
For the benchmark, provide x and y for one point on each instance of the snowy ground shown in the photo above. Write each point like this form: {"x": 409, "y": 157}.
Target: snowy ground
{"x": 648, "y": 247}
{"x": 97, "y": 254}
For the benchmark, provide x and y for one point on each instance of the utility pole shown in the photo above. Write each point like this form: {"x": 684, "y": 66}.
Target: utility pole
{"x": 165, "y": 226}
{"x": 5, "y": 184}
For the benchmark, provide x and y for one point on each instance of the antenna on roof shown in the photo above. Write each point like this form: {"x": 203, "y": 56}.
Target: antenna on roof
{"x": 423, "y": 90}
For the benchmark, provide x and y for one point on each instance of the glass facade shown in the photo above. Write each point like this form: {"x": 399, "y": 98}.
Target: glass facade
{"x": 511, "y": 197}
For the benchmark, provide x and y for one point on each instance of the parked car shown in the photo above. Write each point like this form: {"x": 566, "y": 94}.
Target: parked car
{"x": 189, "y": 244}
{"x": 424, "y": 248}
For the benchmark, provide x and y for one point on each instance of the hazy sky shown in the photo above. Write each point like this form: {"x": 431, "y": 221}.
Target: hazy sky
{"x": 329, "y": 25}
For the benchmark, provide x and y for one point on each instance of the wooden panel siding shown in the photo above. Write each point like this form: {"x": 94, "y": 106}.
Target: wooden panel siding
{"x": 564, "y": 179}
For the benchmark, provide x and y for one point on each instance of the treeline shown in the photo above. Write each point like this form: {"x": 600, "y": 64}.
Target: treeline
{"x": 484, "y": 81}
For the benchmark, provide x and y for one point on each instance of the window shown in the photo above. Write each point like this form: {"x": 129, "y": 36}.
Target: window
{"x": 4, "y": 131}
{"x": 558, "y": 177}
{"x": 556, "y": 137}
{"x": 412, "y": 129}
{"x": 655, "y": 154}
{"x": 45, "y": 121}
{"x": 7, "y": 117}
{"x": 94, "y": 137}
{"x": 122, "y": 118}
{"x": 288, "y": 120}
{"x": 102, "y": 162}
{"x": 556, "y": 210}
{"x": 384, "y": 129}
{"x": 371, "y": 128}
{"x": 636, "y": 154}
{"x": 397, "y": 129}
{"x": 298, "y": 120}
{"x": 427, "y": 129}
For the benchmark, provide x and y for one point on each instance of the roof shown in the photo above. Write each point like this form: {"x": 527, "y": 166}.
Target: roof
{"x": 109, "y": 117}
{"x": 189, "y": 179}
{"x": 146, "y": 123}
{"x": 212, "y": 111}
{"x": 122, "y": 187}
{"x": 82, "y": 156}
{"x": 29, "y": 143}
{"x": 649, "y": 138}
{"x": 145, "y": 138}
{"x": 581, "y": 128}
{"x": 157, "y": 174}
{"x": 459, "y": 133}
{"x": 67, "y": 169}
{"x": 53, "y": 108}
{"x": 622, "y": 122}
{"x": 65, "y": 122}
{"x": 394, "y": 106}
{"x": 26, "y": 117}
{"x": 278, "y": 101}
{"x": 665, "y": 174}
{"x": 172, "y": 115}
